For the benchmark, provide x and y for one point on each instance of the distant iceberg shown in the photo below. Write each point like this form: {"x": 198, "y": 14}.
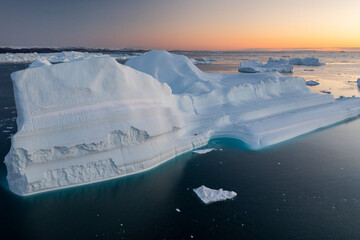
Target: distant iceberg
{"x": 309, "y": 61}
{"x": 94, "y": 119}
{"x": 272, "y": 65}
{"x": 208, "y": 195}
{"x": 203, "y": 60}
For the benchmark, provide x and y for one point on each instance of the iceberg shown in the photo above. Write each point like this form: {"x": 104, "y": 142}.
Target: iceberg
{"x": 309, "y": 61}
{"x": 208, "y": 195}
{"x": 203, "y": 60}
{"x": 312, "y": 83}
{"x": 94, "y": 119}
{"x": 273, "y": 65}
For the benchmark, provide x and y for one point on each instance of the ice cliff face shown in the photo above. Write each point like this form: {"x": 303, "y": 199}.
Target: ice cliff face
{"x": 90, "y": 120}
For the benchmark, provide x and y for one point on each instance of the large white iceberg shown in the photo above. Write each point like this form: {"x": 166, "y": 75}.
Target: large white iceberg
{"x": 91, "y": 120}
{"x": 273, "y": 65}
{"x": 208, "y": 195}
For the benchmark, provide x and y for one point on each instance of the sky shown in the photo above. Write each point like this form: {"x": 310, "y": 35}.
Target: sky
{"x": 182, "y": 25}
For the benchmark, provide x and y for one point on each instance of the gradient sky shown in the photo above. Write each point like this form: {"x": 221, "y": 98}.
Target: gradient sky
{"x": 185, "y": 24}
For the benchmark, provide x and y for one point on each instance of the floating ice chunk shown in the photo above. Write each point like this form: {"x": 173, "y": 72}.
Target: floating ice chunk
{"x": 309, "y": 61}
{"x": 327, "y": 92}
{"x": 39, "y": 62}
{"x": 272, "y": 65}
{"x": 312, "y": 83}
{"x": 208, "y": 195}
{"x": 178, "y": 210}
{"x": 203, "y": 151}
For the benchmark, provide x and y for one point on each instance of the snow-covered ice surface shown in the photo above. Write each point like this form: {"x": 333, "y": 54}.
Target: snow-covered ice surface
{"x": 203, "y": 151}
{"x": 312, "y": 83}
{"x": 272, "y": 65}
{"x": 94, "y": 119}
{"x": 308, "y": 61}
{"x": 208, "y": 195}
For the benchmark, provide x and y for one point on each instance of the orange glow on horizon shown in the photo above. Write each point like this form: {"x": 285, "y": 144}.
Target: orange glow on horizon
{"x": 277, "y": 24}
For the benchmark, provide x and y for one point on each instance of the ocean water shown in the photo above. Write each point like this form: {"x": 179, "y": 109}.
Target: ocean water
{"x": 305, "y": 188}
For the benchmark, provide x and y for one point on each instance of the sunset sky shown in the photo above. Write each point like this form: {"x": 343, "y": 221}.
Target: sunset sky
{"x": 186, "y": 24}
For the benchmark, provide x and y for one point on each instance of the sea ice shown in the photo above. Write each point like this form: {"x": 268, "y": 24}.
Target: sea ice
{"x": 94, "y": 119}
{"x": 203, "y": 151}
{"x": 309, "y": 61}
{"x": 272, "y": 65}
{"x": 312, "y": 83}
{"x": 208, "y": 195}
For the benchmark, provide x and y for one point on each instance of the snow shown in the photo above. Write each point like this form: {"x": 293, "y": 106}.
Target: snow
{"x": 280, "y": 65}
{"x": 94, "y": 119}
{"x": 203, "y": 151}
{"x": 312, "y": 83}
{"x": 208, "y": 195}
{"x": 309, "y": 61}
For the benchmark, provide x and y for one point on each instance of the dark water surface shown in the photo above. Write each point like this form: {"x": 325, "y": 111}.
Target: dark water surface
{"x": 306, "y": 188}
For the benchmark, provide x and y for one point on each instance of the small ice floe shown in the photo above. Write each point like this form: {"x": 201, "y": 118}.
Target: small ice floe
{"x": 312, "y": 83}
{"x": 203, "y": 151}
{"x": 178, "y": 210}
{"x": 208, "y": 195}
{"x": 9, "y": 127}
{"x": 309, "y": 61}
{"x": 6, "y": 131}
{"x": 327, "y": 92}
{"x": 358, "y": 82}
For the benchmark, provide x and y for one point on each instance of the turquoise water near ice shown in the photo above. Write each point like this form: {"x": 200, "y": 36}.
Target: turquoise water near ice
{"x": 305, "y": 188}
